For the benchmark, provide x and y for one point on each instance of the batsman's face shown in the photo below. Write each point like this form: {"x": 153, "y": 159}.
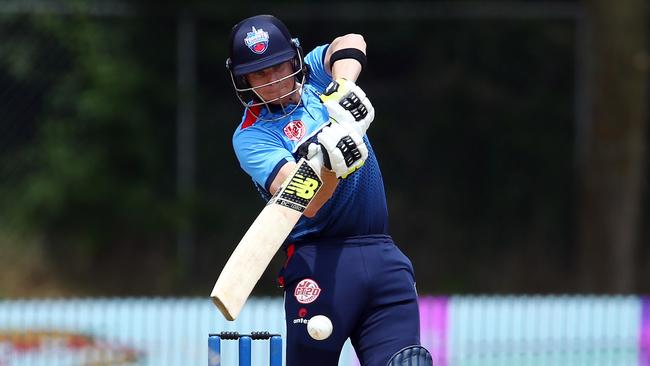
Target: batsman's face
{"x": 273, "y": 82}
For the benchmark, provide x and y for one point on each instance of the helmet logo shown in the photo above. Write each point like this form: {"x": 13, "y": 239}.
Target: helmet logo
{"x": 257, "y": 40}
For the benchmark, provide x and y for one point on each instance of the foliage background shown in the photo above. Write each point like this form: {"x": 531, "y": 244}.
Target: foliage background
{"x": 477, "y": 132}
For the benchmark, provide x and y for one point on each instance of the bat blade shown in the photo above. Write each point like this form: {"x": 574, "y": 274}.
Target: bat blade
{"x": 265, "y": 236}
{"x": 251, "y": 257}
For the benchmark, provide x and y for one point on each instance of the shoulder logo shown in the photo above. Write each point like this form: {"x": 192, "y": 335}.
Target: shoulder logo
{"x": 295, "y": 130}
{"x": 307, "y": 291}
{"x": 257, "y": 40}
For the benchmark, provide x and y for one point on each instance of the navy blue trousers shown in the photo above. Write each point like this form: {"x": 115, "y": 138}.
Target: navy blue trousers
{"x": 365, "y": 285}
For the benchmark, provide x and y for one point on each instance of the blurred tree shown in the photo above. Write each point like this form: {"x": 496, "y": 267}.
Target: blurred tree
{"x": 94, "y": 183}
{"x": 612, "y": 182}
{"x": 481, "y": 198}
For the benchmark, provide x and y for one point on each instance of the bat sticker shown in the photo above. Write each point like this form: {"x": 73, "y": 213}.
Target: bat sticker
{"x": 299, "y": 190}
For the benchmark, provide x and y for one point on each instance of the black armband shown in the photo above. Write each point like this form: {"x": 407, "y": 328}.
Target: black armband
{"x": 353, "y": 53}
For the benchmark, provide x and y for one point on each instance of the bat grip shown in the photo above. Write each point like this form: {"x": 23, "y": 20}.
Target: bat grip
{"x": 317, "y": 162}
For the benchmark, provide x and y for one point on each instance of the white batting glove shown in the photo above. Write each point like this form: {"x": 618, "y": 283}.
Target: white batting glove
{"x": 343, "y": 151}
{"x": 348, "y": 105}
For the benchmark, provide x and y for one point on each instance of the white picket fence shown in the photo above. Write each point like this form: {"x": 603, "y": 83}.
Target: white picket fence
{"x": 459, "y": 331}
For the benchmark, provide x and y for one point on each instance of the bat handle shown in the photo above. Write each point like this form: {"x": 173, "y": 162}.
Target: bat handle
{"x": 317, "y": 162}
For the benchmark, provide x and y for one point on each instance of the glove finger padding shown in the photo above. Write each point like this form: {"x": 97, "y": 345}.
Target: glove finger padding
{"x": 348, "y": 104}
{"x": 343, "y": 151}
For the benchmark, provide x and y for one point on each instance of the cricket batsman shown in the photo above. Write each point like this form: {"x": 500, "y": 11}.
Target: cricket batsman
{"x": 341, "y": 261}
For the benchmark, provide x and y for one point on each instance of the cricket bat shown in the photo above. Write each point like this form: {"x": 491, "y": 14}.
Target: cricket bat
{"x": 265, "y": 236}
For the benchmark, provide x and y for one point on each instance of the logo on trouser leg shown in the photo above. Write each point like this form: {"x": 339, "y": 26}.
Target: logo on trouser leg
{"x": 307, "y": 291}
{"x": 302, "y": 313}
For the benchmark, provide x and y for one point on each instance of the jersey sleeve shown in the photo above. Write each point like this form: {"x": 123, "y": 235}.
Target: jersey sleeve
{"x": 318, "y": 76}
{"x": 260, "y": 154}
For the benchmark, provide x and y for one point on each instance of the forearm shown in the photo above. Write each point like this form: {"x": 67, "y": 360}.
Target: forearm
{"x": 345, "y": 68}
{"x": 330, "y": 182}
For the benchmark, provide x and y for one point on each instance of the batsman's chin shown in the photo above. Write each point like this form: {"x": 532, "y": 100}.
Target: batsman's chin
{"x": 282, "y": 98}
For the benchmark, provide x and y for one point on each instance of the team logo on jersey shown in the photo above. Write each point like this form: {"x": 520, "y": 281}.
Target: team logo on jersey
{"x": 295, "y": 130}
{"x": 257, "y": 40}
{"x": 307, "y": 291}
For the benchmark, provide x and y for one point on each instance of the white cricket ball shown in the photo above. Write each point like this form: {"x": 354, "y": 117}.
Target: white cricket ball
{"x": 319, "y": 327}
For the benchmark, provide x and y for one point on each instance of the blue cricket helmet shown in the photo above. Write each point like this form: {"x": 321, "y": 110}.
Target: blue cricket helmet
{"x": 259, "y": 42}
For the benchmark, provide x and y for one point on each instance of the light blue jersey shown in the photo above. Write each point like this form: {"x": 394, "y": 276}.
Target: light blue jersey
{"x": 357, "y": 207}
